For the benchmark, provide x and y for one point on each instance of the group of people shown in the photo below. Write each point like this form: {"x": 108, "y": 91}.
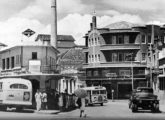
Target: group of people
{"x": 41, "y": 100}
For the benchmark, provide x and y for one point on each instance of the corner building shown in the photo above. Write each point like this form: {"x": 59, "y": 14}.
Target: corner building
{"x": 118, "y": 56}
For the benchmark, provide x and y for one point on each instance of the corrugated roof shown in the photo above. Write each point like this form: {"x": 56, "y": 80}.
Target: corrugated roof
{"x": 46, "y": 37}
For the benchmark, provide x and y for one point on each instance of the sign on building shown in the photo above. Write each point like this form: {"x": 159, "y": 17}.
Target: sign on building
{"x": 34, "y": 66}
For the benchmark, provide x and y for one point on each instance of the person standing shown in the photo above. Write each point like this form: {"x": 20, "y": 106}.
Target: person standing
{"x": 38, "y": 98}
{"x": 81, "y": 104}
{"x": 44, "y": 100}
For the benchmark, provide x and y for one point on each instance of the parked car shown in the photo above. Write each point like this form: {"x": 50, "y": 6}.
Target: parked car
{"x": 143, "y": 97}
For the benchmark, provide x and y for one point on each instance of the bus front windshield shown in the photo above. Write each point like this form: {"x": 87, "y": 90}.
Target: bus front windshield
{"x": 95, "y": 92}
{"x": 102, "y": 91}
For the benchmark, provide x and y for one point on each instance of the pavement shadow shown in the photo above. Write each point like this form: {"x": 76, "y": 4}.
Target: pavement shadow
{"x": 148, "y": 111}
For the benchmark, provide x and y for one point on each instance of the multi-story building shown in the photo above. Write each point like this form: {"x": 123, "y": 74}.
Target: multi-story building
{"x": 36, "y": 63}
{"x": 122, "y": 56}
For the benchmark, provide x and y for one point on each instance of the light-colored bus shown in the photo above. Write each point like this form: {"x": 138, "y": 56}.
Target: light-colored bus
{"x": 96, "y": 95}
{"x": 15, "y": 92}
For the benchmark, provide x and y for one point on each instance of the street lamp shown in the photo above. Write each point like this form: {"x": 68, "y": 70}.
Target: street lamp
{"x": 132, "y": 70}
{"x": 130, "y": 55}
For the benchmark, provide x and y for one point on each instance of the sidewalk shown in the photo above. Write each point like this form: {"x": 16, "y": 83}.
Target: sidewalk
{"x": 162, "y": 107}
{"x": 47, "y": 111}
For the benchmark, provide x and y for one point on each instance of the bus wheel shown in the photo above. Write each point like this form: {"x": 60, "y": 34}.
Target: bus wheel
{"x": 19, "y": 108}
{"x": 3, "y": 108}
{"x": 101, "y": 104}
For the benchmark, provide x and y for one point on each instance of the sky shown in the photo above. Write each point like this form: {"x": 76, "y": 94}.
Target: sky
{"x": 74, "y": 16}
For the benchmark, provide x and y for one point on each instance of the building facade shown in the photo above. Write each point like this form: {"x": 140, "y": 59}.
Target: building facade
{"x": 37, "y": 64}
{"x": 122, "y": 56}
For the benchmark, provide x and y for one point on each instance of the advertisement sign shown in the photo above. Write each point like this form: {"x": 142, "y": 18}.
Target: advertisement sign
{"x": 34, "y": 66}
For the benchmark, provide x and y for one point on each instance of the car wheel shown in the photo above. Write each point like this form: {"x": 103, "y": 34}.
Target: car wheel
{"x": 101, "y": 104}
{"x": 157, "y": 108}
{"x": 134, "y": 108}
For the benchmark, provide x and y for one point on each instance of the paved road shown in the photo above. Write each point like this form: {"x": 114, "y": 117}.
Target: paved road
{"x": 117, "y": 110}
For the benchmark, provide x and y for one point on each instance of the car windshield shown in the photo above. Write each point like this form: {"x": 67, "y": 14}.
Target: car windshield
{"x": 145, "y": 90}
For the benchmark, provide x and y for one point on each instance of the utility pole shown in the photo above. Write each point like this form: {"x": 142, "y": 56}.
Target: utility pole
{"x": 151, "y": 53}
{"x": 132, "y": 71}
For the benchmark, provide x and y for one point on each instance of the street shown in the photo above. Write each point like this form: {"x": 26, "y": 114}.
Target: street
{"x": 112, "y": 110}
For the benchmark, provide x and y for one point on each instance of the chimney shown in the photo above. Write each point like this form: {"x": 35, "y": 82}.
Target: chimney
{"x": 91, "y": 26}
{"x": 53, "y": 40}
{"x": 94, "y": 22}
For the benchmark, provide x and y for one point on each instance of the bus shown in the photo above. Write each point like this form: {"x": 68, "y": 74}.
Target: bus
{"x": 15, "y": 92}
{"x": 96, "y": 95}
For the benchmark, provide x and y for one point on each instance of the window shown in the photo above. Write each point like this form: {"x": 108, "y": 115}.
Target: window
{"x": 3, "y": 64}
{"x": 89, "y": 60}
{"x": 114, "y": 57}
{"x": 89, "y": 73}
{"x": 92, "y": 58}
{"x": 126, "y": 39}
{"x": 95, "y": 41}
{"x": 98, "y": 57}
{"x": 18, "y": 86}
{"x": 89, "y": 42}
{"x": 113, "y": 39}
{"x": 12, "y": 62}
{"x": 120, "y": 39}
{"x": 143, "y": 38}
{"x": 92, "y": 42}
{"x": 95, "y": 58}
{"x": 121, "y": 56}
{"x": 1, "y": 83}
{"x": 8, "y": 63}
{"x": 161, "y": 84}
{"x": 149, "y": 38}
{"x": 34, "y": 55}
{"x": 96, "y": 73}
{"x": 143, "y": 56}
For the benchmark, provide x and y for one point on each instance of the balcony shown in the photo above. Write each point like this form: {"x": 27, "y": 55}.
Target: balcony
{"x": 115, "y": 64}
{"x": 120, "y": 47}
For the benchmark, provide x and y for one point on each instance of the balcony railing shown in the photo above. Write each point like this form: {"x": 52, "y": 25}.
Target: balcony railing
{"x": 115, "y": 64}
{"x": 120, "y": 46}
{"x": 47, "y": 69}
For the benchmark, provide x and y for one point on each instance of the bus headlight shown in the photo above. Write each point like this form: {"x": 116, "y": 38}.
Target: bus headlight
{"x": 26, "y": 96}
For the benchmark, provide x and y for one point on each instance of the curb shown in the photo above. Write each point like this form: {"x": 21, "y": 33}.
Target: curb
{"x": 47, "y": 112}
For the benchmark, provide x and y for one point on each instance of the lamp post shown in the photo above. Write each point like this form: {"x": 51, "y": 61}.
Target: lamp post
{"x": 132, "y": 71}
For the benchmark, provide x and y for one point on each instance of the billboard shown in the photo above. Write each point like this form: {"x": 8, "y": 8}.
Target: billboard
{"x": 34, "y": 66}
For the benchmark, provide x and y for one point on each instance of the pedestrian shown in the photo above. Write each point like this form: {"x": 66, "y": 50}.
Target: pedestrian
{"x": 38, "y": 98}
{"x": 44, "y": 100}
{"x": 81, "y": 105}
{"x": 60, "y": 102}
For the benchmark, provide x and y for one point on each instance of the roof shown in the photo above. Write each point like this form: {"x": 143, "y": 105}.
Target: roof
{"x": 12, "y": 47}
{"x": 1, "y": 44}
{"x": 46, "y": 37}
{"x": 121, "y": 25}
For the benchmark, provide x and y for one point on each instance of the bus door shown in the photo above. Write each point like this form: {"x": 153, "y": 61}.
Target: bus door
{"x": 88, "y": 96}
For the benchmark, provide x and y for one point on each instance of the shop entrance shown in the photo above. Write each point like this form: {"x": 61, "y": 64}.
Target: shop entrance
{"x": 124, "y": 91}
{"x": 108, "y": 87}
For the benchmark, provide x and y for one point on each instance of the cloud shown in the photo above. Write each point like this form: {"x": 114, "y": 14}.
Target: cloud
{"x": 11, "y": 30}
{"x": 78, "y": 25}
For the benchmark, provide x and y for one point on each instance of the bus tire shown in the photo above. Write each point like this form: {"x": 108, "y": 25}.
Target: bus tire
{"x": 19, "y": 108}
{"x": 101, "y": 104}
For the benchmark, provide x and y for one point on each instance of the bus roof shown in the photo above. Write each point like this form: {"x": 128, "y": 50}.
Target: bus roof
{"x": 95, "y": 88}
{"x": 14, "y": 80}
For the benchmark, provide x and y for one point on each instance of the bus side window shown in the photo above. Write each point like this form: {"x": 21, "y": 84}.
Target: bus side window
{"x": 1, "y": 85}
{"x": 22, "y": 86}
